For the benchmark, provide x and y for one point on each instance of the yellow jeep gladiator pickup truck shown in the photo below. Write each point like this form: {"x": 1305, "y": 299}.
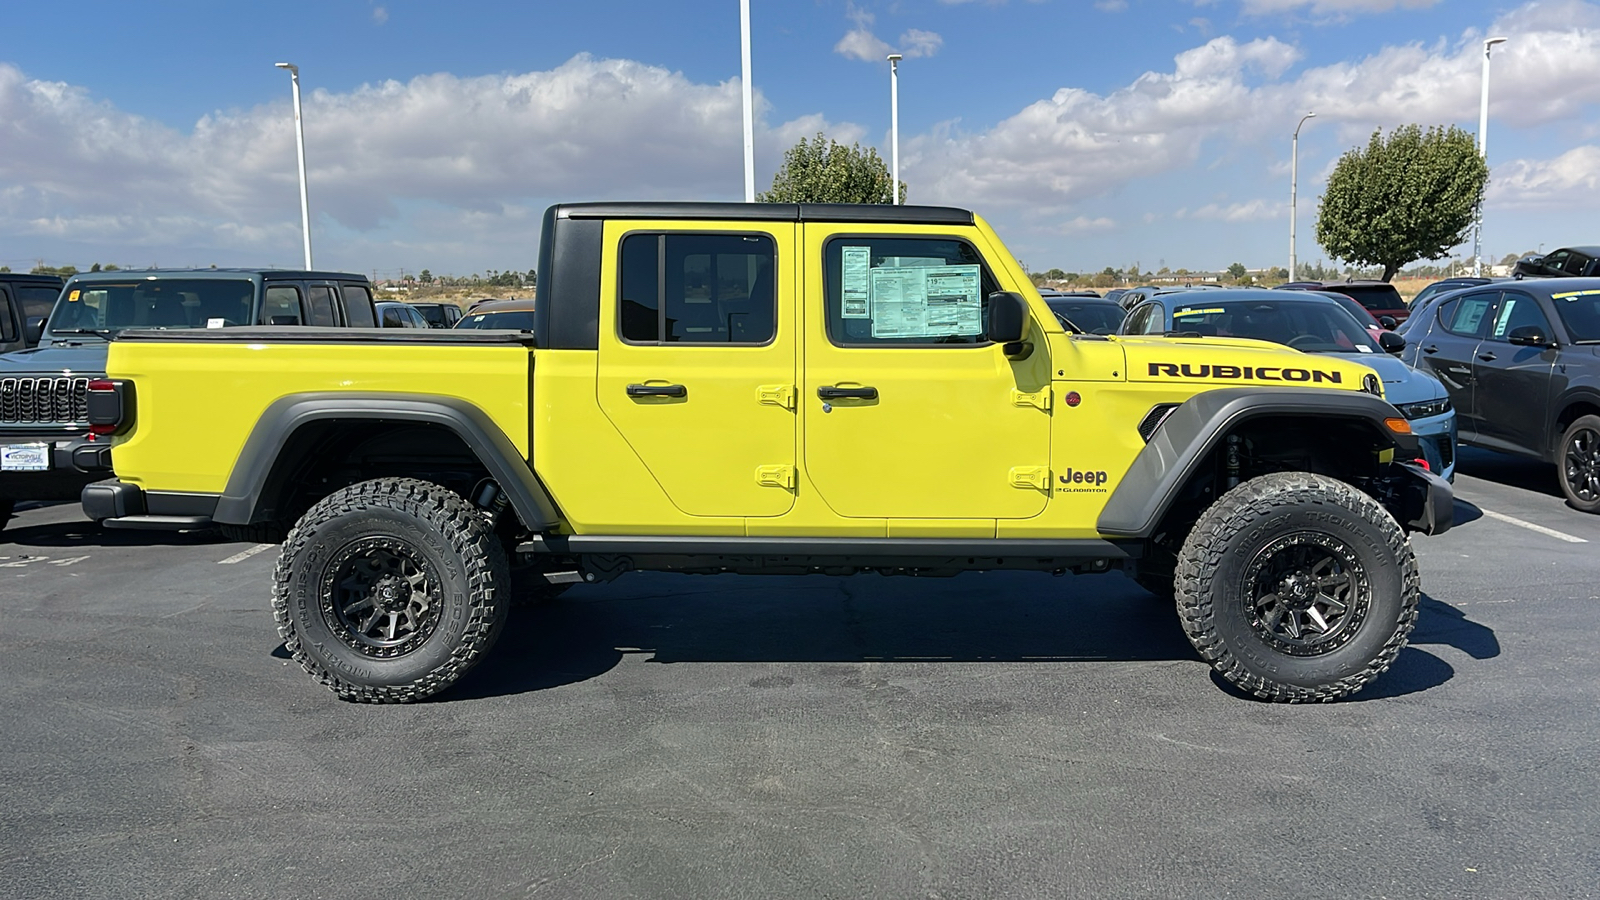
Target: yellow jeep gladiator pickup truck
{"x": 775, "y": 388}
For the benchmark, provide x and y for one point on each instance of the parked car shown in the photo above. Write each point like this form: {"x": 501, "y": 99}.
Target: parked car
{"x": 1568, "y": 262}
{"x": 1115, "y": 294}
{"x": 25, "y": 302}
{"x": 47, "y": 451}
{"x": 1091, "y": 315}
{"x": 439, "y": 315}
{"x": 1442, "y": 286}
{"x": 1313, "y": 323}
{"x": 395, "y": 314}
{"x": 515, "y": 314}
{"x": 1520, "y": 362}
{"x": 1138, "y": 295}
{"x": 1379, "y": 297}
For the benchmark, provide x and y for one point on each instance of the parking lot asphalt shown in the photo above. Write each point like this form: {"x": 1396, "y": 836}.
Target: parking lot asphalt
{"x": 999, "y": 735}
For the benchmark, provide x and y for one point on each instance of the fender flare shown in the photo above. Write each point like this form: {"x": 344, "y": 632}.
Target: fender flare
{"x": 287, "y": 415}
{"x": 1171, "y": 456}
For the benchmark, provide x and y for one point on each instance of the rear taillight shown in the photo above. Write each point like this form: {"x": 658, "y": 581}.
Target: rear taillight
{"x": 107, "y": 403}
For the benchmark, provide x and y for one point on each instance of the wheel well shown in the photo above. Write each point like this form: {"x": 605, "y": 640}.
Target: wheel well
{"x": 323, "y": 456}
{"x": 1342, "y": 448}
{"x": 1572, "y": 413}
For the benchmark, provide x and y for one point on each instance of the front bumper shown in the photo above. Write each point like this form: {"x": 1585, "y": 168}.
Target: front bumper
{"x": 1437, "y": 436}
{"x": 1426, "y": 501}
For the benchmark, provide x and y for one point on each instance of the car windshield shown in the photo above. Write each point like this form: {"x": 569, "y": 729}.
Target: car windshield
{"x": 1312, "y": 327}
{"x": 1094, "y": 318}
{"x": 521, "y": 320}
{"x": 102, "y": 307}
{"x": 1372, "y": 296}
{"x": 1580, "y": 312}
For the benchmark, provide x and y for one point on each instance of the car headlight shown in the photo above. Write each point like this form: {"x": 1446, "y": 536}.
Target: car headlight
{"x": 1423, "y": 409}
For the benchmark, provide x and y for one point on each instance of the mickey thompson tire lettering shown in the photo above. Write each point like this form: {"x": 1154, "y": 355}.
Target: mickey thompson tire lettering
{"x": 390, "y": 590}
{"x": 1251, "y": 568}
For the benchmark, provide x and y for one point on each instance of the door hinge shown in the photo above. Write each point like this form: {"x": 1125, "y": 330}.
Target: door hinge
{"x": 775, "y": 476}
{"x": 776, "y": 395}
{"x": 1037, "y": 477}
{"x": 1039, "y": 398}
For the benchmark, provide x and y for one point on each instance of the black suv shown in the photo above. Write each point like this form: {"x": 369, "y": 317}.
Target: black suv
{"x": 24, "y": 299}
{"x": 1520, "y": 362}
{"x": 47, "y": 451}
{"x": 1568, "y": 262}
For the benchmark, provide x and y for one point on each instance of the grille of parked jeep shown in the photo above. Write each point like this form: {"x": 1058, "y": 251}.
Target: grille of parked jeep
{"x": 1154, "y": 418}
{"x": 54, "y": 400}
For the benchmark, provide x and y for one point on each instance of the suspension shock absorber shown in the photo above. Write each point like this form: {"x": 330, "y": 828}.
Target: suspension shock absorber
{"x": 488, "y": 497}
{"x": 1231, "y": 460}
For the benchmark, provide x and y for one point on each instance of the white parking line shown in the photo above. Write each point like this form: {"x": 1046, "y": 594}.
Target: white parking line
{"x": 1513, "y": 520}
{"x": 243, "y": 555}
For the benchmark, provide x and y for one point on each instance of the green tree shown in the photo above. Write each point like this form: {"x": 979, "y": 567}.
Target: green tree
{"x": 426, "y": 277}
{"x": 1055, "y": 275}
{"x": 63, "y": 271}
{"x": 1406, "y": 197}
{"x": 1237, "y": 270}
{"x": 826, "y": 171}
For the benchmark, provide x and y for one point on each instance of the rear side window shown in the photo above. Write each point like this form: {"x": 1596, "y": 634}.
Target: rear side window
{"x": 1575, "y": 264}
{"x": 358, "y": 307}
{"x": 321, "y": 303}
{"x": 698, "y": 289}
{"x": 1467, "y": 316}
{"x": 282, "y": 306}
{"x": 888, "y": 291}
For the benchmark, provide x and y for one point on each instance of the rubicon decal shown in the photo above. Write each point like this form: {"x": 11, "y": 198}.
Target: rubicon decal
{"x": 1245, "y": 373}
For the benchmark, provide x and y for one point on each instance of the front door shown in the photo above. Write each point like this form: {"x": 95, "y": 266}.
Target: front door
{"x": 912, "y": 413}
{"x": 1513, "y": 380}
{"x": 697, "y": 360}
{"x": 1450, "y": 347}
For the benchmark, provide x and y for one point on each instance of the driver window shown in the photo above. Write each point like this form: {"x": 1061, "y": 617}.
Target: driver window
{"x": 1516, "y": 311}
{"x": 886, "y": 291}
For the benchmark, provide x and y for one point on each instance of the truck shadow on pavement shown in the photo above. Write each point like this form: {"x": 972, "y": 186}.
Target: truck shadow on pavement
{"x": 1006, "y": 617}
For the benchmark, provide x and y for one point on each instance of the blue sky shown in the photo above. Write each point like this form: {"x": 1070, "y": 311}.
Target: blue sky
{"x": 1089, "y": 133}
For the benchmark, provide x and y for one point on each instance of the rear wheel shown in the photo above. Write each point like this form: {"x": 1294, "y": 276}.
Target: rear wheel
{"x": 390, "y": 590}
{"x": 1578, "y": 464}
{"x": 1297, "y": 587}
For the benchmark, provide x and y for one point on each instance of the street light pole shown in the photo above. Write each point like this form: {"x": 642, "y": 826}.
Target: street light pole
{"x": 1483, "y": 152}
{"x": 894, "y": 128}
{"x": 749, "y": 112}
{"x": 1294, "y": 179}
{"x": 300, "y": 148}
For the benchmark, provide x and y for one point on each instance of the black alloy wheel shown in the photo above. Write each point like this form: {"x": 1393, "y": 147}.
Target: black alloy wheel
{"x": 1297, "y": 587}
{"x": 1578, "y": 464}
{"x": 381, "y": 597}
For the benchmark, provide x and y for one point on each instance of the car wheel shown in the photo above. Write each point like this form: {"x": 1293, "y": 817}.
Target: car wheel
{"x": 1297, "y": 587}
{"x": 390, "y": 590}
{"x": 1578, "y": 464}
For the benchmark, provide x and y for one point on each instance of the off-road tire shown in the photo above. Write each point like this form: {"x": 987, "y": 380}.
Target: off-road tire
{"x": 1265, "y": 524}
{"x": 259, "y": 533}
{"x": 454, "y": 603}
{"x": 1578, "y": 464}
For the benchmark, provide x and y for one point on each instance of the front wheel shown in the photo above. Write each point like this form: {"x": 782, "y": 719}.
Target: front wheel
{"x": 1578, "y": 464}
{"x": 1297, "y": 587}
{"x": 389, "y": 590}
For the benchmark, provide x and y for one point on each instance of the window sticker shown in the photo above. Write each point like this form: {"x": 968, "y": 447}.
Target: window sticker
{"x": 1197, "y": 312}
{"x": 857, "y": 288}
{"x": 1504, "y": 317}
{"x": 923, "y": 301}
{"x": 1471, "y": 315}
{"x": 72, "y": 297}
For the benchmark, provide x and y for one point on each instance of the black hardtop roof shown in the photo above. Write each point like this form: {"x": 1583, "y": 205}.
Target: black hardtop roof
{"x": 265, "y": 274}
{"x": 1586, "y": 249}
{"x": 768, "y": 212}
{"x": 28, "y": 278}
{"x": 1549, "y": 286}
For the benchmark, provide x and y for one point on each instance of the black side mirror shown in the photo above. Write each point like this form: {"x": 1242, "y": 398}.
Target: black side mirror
{"x": 1008, "y": 316}
{"x": 1391, "y": 342}
{"x": 33, "y": 330}
{"x": 1529, "y": 336}
{"x": 1387, "y": 323}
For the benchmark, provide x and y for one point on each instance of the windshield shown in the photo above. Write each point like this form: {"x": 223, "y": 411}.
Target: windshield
{"x": 1312, "y": 327}
{"x": 1094, "y": 318}
{"x": 521, "y": 320}
{"x": 1580, "y": 312}
{"x": 100, "y": 307}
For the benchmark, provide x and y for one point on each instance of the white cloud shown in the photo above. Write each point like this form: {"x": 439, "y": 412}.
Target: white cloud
{"x": 380, "y": 14}
{"x": 1251, "y": 211}
{"x": 1569, "y": 180}
{"x": 916, "y": 42}
{"x": 1330, "y": 8}
{"x": 862, "y": 44}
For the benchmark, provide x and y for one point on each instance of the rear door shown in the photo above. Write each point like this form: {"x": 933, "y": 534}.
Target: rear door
{"x": 911, "y": 413}
{"x": 697, "y": 358}
{"x": 322, "y": 304}
{"x": 1450, "y": 348}
{"x": 1512, "y": 382}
